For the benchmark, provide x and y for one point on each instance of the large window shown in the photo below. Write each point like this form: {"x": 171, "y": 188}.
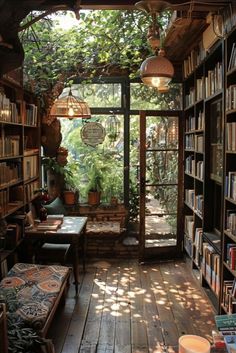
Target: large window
{"x": 114, "y": 158}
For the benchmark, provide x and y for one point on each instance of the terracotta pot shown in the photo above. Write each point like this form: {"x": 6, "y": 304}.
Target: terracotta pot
{"x": 94, "y": 197}
{"x": 70, "y": 197}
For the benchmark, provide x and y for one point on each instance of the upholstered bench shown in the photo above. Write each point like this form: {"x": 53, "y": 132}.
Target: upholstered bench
{"x": 38, "y": 291}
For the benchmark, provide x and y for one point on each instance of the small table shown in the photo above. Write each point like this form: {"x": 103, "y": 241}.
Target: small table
{"x": 71, "y": 232}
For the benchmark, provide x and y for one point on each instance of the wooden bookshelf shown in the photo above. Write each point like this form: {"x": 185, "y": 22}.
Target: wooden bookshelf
{"x": 229, "y": 199}
{"x": 203, "y": 161}
{"x": 19, "y": 150}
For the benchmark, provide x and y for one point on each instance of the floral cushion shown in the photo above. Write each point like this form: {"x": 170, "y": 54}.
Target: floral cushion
{"x": 37, "y": 287}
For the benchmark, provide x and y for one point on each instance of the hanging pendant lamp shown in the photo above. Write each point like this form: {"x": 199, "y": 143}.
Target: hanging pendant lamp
{"x": 70, "y": 107}
{"x": 156, "y": 71}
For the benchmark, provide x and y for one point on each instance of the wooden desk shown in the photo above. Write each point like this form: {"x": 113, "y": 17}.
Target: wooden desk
{"x": 71, "y": 232}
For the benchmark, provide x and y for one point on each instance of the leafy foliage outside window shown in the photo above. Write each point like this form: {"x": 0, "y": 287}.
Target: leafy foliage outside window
{"x": 105, "y": 160}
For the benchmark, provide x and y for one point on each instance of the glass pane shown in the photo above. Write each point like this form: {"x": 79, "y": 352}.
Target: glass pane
{"x": 161, "y": 199}
{"x": 134, "y": 147}
{"x": 147, "y": 98}
{"x": 108, "y": 157}
{"x": 162, "y": 167}
{"x": 160, "y": 231}
{"x": 100, "y": 95}
{"x": 161, "y": 216}
{"x": 162, "y": 132}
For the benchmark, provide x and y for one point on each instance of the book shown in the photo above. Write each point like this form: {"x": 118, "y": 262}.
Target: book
{"x": 55, "y": 216}
{"x": 49, "y": 224}
{"x": 230, "y": 342}
{"x": 226, "y": 323}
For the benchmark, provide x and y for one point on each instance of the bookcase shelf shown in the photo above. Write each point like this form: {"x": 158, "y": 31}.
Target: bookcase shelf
{"x": 204, "y": 159}
{"x": 19, "y": 152}
{"x": 217, "y": 188}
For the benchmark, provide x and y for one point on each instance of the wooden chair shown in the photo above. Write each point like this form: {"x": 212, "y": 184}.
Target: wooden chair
{"x": 52, "y": 253}
{"x": 3, "y": 329}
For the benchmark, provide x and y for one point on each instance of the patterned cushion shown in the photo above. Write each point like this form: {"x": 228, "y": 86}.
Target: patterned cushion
{"x": 37, "y": 287}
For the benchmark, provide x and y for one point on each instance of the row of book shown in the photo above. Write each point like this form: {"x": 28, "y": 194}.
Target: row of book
{"x": 9, "y": 111}
{"x": 231, "y": 221}
{"x": 10, "y": 172}
{"x": 231, "y": 136}
{"x": 30, "y": 167}
{"x": 229, "y": 18}
{"x": 228, "y": 297}
{"x": 8, "y": 202}
{"x": 190, "y": 97}
{"x": 199, "y": 143}
{"x": 190, "y": 197}
{"x": 199, "y": 204}
{"x": 190, "y": 142}
{"x": 191, "y": 122}
{"x": 189, "y": 226}
{"x": 200, "y": 170}
{"x": 232, "y": 58}
{"x": 214, "y": 80}
{"x": 190, "y": 165}
{"x": 194, "y": 59}
{"x": 9, "y": 145}
{"x": 194, "y": 168}
{"x": 31, "y": 115}
{"x": 194, "y": 142}
{"x": 210, "y": 267}
{"x": 13, "y": 111}
{"x": 231, "y": 255}
{"x": 200, "y": 88}
{"x": 30, "y": 190}
{"x": 206, "y": 86}
{"x": 230, "y": 98}
{"x": 230, "y": 185}
{"x": 197, "y": 249}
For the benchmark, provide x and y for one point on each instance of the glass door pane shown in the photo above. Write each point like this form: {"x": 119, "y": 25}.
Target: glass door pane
{"x": 159, "y": 192}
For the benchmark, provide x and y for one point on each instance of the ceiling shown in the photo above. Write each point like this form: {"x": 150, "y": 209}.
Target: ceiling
{"x": 191, "y": 17}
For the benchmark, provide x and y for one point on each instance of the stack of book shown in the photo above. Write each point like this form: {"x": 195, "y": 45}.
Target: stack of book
{"x": 50, "y": 224}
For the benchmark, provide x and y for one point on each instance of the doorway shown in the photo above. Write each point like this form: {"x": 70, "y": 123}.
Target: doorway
{"x": 160, "y": 185}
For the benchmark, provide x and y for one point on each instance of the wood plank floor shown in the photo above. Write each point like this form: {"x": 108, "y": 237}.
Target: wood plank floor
{"x": 124, "y": 307}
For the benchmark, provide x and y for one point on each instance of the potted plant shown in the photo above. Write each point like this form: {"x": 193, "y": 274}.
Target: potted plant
{"x": 61, "y": 179}
{"x": 71, "y": 192}
{"x": 95, "y": 186}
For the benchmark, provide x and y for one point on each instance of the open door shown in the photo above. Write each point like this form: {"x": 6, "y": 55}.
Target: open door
{"x": 160, "y": 186}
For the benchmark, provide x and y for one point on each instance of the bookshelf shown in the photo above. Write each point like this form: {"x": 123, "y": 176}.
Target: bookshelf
{"x": 19, "y": 150}
{"x": 203, "y": 160}
{"x": 229, "y": 233}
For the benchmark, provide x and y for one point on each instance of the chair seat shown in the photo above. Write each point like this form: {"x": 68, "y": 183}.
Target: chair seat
{"x": 52, "y": 253}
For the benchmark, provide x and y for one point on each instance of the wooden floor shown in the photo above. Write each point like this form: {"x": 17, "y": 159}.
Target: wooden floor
{"x": 124, "y": 307}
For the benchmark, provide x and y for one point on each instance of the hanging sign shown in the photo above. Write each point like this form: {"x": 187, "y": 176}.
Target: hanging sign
{"x": 93, "y": 134}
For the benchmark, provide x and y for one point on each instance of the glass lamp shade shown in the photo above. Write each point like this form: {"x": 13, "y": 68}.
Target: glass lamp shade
{"x": 70, "y": 107}
{"x": 156, "y": 71}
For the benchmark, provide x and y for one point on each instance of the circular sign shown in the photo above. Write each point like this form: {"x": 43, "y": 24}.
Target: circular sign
{"x": 93, "y": 134}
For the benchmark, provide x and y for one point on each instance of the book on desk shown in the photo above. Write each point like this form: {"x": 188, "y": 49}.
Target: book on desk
{"x": 49, "y": 224}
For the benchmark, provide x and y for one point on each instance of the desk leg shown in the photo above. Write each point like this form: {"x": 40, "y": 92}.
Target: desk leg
{"x": 76, "y": 265}
{"x": 84, "y": 249}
